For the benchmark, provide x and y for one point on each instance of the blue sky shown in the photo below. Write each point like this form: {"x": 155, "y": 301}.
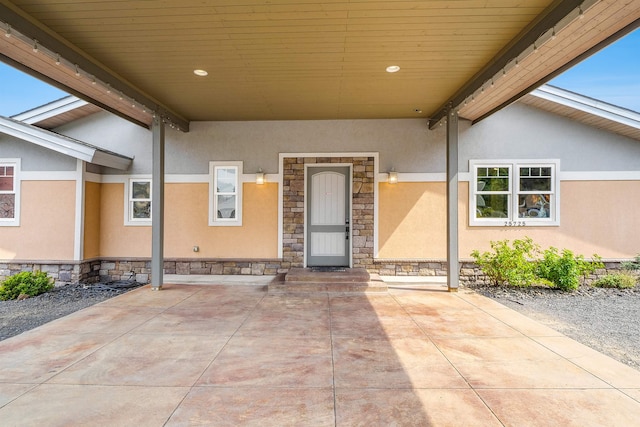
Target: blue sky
{"x": 611, "y": 75}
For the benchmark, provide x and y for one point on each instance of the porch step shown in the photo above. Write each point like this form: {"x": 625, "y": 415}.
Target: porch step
{"x": 320, "y": 280}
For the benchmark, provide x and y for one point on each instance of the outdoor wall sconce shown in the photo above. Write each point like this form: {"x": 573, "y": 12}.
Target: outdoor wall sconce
{"x": 260, "y": 177}
{"x": 393, "y": 177}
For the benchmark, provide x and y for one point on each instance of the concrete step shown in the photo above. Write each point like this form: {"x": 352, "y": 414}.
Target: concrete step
{"x": 310, "y": 275}
{"x": 332, "y": 282}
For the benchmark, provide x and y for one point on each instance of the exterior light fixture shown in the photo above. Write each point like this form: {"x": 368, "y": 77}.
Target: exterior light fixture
{"x": 393, "y": 69}
{"x": 393, "y": 177}
{"x": 260, "y": 177}
{"x": 200, "y": 73}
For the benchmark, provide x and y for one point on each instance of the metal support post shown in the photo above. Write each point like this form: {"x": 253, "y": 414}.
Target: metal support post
{"x": 157, "y": 204}
{"x": 453, "y": 263}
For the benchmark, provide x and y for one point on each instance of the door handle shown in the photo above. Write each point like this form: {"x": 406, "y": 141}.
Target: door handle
{"x": 346, "y": 234}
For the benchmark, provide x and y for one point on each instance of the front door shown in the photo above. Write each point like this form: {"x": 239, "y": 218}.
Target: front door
{"x": 328, "y": 236}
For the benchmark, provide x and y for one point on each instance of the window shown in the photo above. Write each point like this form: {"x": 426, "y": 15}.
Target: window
{"x": 9, "y": 197}
{"x": 138, "y": 202}
{"x": 226, "y": 193}
{"x": 514, "y": 193}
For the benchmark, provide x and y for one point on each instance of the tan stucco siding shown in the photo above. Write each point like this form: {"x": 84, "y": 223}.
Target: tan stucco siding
{"x": 47, "y": 223}
{"x": 92, "y": 217}
{"x": 595, "y": 217}
{"x": 186, "y": 224}
{"x": 412, "y": 221}
{"x": 116, "y": 240}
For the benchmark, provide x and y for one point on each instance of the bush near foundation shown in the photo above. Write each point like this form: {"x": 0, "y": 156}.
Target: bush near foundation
{"x": 616, "y": 280}
{"x": 632, "y": 265}
{"x": 25, "y": 283}
{"x": 564, "y": 269}
{"x": 522, "y": 263}
{"x": 509, "y": 264}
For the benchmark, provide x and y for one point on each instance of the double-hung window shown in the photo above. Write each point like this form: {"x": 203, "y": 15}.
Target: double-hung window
{"x": 225, "y": 205}
{"x": 139, "y": 202}
{"x": 514, "y": 193}
{"x": 9, "y": 196}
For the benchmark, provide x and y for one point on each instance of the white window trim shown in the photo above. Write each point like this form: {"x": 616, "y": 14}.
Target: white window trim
{"x": 511, "y": 221}
{"x": 15, "y": 221}
{"x": 213, "y": 218}
{"x": 128, "y": 213}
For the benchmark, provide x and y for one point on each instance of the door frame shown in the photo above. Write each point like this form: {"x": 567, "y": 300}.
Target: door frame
{"x": 307, "y": 166}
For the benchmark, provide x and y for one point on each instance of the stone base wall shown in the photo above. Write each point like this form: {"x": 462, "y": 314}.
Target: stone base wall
{"x": 409, "y": 268}
{"x": 98, "y": 270}
{"x": 225, "y": 267}
{"x": 61, "y": 273}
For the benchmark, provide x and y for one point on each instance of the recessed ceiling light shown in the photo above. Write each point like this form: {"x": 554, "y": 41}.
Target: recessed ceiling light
{"x": 393, "y": 69}
{"x": 417, "y": 110}
{"x": 200, "y": 73}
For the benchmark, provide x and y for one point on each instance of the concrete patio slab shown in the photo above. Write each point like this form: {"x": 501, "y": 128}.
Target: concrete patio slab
{"x": 228, "y": 354}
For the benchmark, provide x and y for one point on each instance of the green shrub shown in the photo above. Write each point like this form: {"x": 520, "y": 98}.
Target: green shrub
{"x": 616, "y": 280}
{"x": 565, "y": 269}
{"x": 509, "y": 264}
{"x": 632, "y": 265}
{"x": 27, "y": 283}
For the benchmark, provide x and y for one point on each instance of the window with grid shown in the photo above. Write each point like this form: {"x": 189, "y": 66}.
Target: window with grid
{"x": 513, "y": 193}
{"x": 226, "y": 193}
{"x": 139, "y": 200}
{"x": 7, "y": 192}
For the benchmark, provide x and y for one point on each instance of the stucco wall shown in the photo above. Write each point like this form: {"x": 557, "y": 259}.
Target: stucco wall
{"x": 186, "y": 225}
{"x": 412, "y": 221}
{"x": 34, "y": 157}
{"x": 523, "y": 132}
{"x": 596, "y": 217}
{"x": 116, "y": 240}
{"x": 47, "y": 223}
{"x": 92, "y": 220}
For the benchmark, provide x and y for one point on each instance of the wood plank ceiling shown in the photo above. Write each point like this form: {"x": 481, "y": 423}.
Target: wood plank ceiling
{"x": 303, "y": 59}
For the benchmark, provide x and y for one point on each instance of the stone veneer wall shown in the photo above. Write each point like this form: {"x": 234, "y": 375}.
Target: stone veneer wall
{"x": 60, "y": 273}
{"x": 97, "y": 270}
{"x": 362, "y": 220}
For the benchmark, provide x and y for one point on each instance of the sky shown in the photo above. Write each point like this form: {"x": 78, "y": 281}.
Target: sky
{"x": 611, "y": 75}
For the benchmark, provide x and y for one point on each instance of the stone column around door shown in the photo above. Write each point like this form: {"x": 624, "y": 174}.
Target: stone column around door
{"x": 362, "y": 210}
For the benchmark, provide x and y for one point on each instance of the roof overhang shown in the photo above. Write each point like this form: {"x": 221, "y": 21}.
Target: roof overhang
{"x": 28, "y": 36}
{"x": 551, "y": 47}
{"x": 63, "y": 144}
{"x": 294, "y": 60}
{"x": 586, "y": 110}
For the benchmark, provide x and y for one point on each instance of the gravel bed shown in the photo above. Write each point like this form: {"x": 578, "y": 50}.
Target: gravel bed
{"x": 20, "y": 316}
{"x": 607, "y": 320}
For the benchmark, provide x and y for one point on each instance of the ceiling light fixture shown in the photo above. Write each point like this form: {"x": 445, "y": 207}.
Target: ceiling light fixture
{"x": 8, "y": 31}
{"x": 393, "y": 69}
{"x": 201, "y": 73}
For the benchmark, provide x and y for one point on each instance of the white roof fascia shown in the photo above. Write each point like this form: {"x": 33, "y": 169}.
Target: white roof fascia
{"x": 588, "y": 105}
{"x": 50, "y": 110}
{"x": 63, "y": 144}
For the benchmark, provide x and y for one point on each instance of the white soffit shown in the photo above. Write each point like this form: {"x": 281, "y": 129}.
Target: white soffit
{"x": 50, "y": 110}
{"x": 588, "y": 105}
{"x": 63, "y": 144}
